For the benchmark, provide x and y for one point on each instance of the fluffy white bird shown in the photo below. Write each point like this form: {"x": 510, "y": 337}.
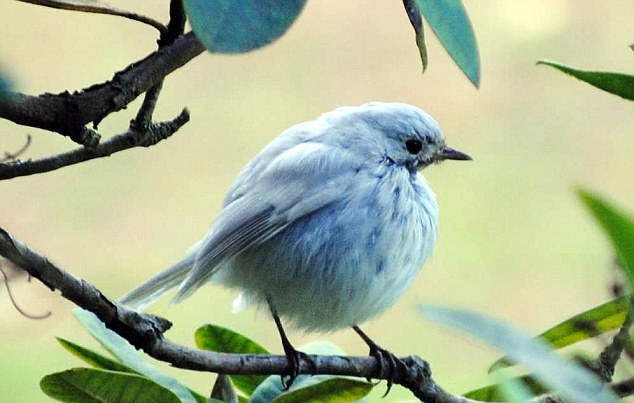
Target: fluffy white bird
{"x": 328, "y": 225}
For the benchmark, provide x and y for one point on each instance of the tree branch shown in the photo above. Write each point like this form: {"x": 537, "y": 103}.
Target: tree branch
{"x": 175, "y": 28}
{"x": 605, "y": 364}
{"x": 67, "y": 113}
{"x": 145, "y": 332}
{"x": 135, "y": 136}
{"x": 624, "y": 388}
{"x": 97, "y": 9}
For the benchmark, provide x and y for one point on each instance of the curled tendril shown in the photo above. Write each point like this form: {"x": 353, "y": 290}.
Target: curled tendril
{"x": 15, "y": 304}
{"x": 14, "y": 155}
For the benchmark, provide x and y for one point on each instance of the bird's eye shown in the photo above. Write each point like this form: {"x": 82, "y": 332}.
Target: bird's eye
{"x": 413, "y": 146}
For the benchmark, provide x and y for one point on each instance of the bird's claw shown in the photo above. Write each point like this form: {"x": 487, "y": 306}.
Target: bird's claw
{"x": 385, "y": 359}
{"x": 295, "y": 359}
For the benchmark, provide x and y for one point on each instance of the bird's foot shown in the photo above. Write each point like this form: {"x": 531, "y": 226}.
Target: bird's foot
{"x": 388, "y": 362}
{"x": 295, "y": 359}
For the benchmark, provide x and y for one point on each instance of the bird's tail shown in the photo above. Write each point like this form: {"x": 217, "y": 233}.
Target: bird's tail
{"x": 148, "y": 292}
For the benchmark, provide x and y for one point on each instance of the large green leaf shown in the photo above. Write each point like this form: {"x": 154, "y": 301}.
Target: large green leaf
{"x": 93, "y": 358}
{"x": 229, "y": 26}
{"x": 614, "y": 83}
{"x": 450, "y": 22}
{"x": 223, "y": 340}
{"x": 128, "y": 356}
{"x": 334, "y": 390}
{"x": 618, "y": 225}
{"x": 567, "y": 379}
{"x": 494, "y": 393}
{"x": 89, "y": 385}
{"x": 583, "y": 326}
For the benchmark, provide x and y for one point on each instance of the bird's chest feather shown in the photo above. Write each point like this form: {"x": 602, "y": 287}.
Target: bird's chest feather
{"x": 348, "y": 261}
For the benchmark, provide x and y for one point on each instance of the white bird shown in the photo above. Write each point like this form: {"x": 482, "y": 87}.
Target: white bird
{"x": 328, "y": 225}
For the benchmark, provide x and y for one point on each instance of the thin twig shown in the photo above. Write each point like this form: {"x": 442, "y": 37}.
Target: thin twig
{"x": 624, "y": 388}
{"x": 176, "y": 25}
{"x": 14, "y": 155}
{"x": 144, "y": 115}
{"x": 15, "y": 303}
{"x": 175, "y": 28}
{"x": 98, "y": 9}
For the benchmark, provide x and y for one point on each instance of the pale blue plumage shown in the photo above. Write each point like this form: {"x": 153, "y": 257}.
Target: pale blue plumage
{"x": 329, "y": 223}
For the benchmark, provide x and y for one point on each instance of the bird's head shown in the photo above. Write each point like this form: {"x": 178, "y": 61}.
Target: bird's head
{"x": 397, "y": 133}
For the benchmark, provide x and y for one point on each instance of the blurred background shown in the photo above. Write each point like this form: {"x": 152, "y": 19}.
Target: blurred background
{"x": 515, "y": 242}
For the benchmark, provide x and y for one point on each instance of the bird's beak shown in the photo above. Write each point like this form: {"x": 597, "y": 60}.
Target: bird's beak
{"x": 448, "y": 153}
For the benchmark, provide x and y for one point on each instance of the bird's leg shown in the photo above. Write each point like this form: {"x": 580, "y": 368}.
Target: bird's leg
{"x": 294, "y": 357}
{"x": 383, "y": 356}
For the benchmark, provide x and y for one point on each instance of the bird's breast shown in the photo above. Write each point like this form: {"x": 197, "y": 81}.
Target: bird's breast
{"x": 348, "y": 261}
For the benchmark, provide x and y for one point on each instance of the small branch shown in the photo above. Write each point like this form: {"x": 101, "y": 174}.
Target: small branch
{"x": 144, "y": 115}
{"x": 176, "y": 25}
{"x": 97, "y": 9}
{"x": 68, "y": 114}
{"x": 175, "y": 28}
{"x": 145, "y": 332}
{"x": 135, "y": 136}
{"x": 624, "y": 388}
{"x": 606, "y": 362}
{"x": 14, "y": 155}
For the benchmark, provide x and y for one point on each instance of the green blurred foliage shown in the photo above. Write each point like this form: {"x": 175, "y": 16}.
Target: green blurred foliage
{"x": 514, "y": 242}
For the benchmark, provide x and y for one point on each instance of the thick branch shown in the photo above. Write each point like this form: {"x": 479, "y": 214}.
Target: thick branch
{"x": 146, "y": 332}
{"x": 145, "y": 136}
{"x": 67, "y": 113}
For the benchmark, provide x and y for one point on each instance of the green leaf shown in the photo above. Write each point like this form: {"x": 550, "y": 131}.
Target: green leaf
{"x": 513, "y": 389}
{"x": 583, "y": 326}
{"x": 588, "y": 324}
{"x": 618, "y": 225}
{"x": 614, "y": 83}
{"x": 567, "y": 379}
{"x": 334, "y": 390}
{"x": 128, "y": 356}
{"x": 223, "y": 340}
{"x": 229, "y": 26}
{"x": 272, "y": 386}
{"x": 414, "y": 15}
{"x": 93, "y": 358}
{"x": 450, "y": 22}
{"x": 88, "y": 385}
{"x": 493, "y": 393}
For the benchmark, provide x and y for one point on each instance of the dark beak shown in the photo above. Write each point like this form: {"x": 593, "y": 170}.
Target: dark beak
{"x": 447, "y": 153}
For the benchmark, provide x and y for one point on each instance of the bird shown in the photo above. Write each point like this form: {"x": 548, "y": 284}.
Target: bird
{"x": 327, "y": 226}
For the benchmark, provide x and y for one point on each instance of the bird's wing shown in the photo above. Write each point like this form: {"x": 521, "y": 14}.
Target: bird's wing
{"x": 297, "y": 182}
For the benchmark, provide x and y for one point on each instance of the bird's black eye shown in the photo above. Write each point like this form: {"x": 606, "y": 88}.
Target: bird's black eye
{"x": 413, "y": 146}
